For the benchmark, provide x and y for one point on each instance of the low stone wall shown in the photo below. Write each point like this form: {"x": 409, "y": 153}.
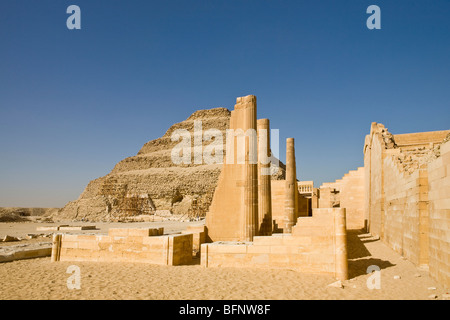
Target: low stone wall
{"x": 316, "y": 245}
{"x": 199, "y": 234}
{"x": 125, "y": 245}
{"x": 27, "y": 253}
{"x": 348, "y": 193}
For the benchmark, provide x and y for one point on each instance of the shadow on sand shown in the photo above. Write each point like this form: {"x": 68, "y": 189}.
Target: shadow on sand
{"x": 359, "y": 258}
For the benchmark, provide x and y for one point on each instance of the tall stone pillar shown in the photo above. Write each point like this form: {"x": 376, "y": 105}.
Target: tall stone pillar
{"x": 341, "y": 244}
{"x": 233, "y": 214}
{"x": 248, "y": 104}
{"x": 264, "y": 179}
{"x": 291, "y": 189}
{"x": 56, "y": 247}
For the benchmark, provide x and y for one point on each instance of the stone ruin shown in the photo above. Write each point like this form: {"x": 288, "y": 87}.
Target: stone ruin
{"x": 239, "y": 224}
{"x": 149, "y": 183}
{"x": 401, "y": 195}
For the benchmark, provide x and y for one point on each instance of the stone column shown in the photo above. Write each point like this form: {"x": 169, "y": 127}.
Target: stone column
{"x": 290, "y": 188}
{"x": 233, "y": 214}
{"x": 251, "y": 169}
{"x": 264, "y": 179}
{"x": 340, "y": 230}
{"x": 56, "y": 247}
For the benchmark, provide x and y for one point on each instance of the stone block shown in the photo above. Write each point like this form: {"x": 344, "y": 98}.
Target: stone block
{"x": 155, "y": 240}
{"x": 32, "y": 253}
{"x": 118, "y": 232}
{"x": 52, "y": 228}
{"x": 76, "y": 228}
{"x": 195, "y": 229}
{"x": 297, "y": 240}
{"x": 82, "y": 237}
{"x": 442, "y": 204}
{"x": 267, "y": 240}
{"x": 313, "y": 231}
{"x": 228, "y": 248}
{"x": 134, "y": 239}
{"x": 251, "y": 249}
{"x": 204, "y": 255}
{"x": 277, "y": 250}
{"x": 103, "y": 239}
{"x": 445, "y": 148}
{"x": 438, "y": 173}
{"x": 69, "y": 237}
{"x": 118, "y": 239}
{"x": 69, "y": 244}
{"x": 89, "y": 245}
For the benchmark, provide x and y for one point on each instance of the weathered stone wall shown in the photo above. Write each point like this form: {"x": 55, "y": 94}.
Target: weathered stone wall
{"x": 278, "y": 195}
{"x": 199, "y": 234}
{"x": 347, "y": 193}
{"x": 233, "y": 214}
{"x": 278, "y": 188}
{"x": 376, "y": 191}
{"x": 406, "y": 200}
{"x": 317, "y": 245}
{"x": 328, "y": 197}
{"x": 439, "y": 210}
{"x": 406, "y": 212}
{"x": 351, "y": 191}
{"x": 128, "y": 245}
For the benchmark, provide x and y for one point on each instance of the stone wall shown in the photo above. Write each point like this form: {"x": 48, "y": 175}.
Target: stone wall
{"x": 351, "y": 192}
{"x": 376, "y": 191}
{"x": 278, "y": 188}
{"x": 439, "y": 211}
{"x": 199, "y": 236}
{"x": 406, "y": 212}
{"x": 347, "y": 193}
{"x": 278, "y": 197}
{"x": 407, "y": 198}
{"x": 127, "y": 245}
{"x": 316, "y": 245}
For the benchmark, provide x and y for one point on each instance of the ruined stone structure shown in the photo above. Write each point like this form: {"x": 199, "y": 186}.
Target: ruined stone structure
{"x": 347, "y": 193}
{"x": 313, "y": 244}
{"x": 308, "y": 198}
{"x": 291, "y": 188}
{"x": 125, "y": 245}
{"x": 233, "y": 214}
{"x": 402, "y": 195}
{"x": 150, "y": 181}
{"x": 316, "y": 245}
{"x": 264, "y": 179}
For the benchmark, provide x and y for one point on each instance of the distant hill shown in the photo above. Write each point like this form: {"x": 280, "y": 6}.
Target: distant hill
{"x": 16, "y": 214}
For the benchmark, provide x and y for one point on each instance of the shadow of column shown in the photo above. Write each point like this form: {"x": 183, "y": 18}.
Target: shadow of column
{"x": 359, "y": 258}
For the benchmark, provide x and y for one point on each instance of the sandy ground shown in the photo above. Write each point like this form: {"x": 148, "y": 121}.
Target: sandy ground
{"x": 41, "y": 279}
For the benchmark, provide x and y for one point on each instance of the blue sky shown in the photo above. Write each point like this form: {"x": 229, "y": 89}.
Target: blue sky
{"x": 75, "y": 102}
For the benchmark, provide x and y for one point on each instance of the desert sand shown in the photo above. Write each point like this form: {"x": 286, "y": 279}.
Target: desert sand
{"x": 40, "y": 279}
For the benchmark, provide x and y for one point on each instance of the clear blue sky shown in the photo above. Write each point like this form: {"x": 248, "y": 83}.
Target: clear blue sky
{"x": 75, "y": 102}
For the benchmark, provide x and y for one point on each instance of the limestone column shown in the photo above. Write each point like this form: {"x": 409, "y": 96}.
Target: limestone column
{"x": 290, "y": 187}
{"x": 264, "y": 179}
{"x": 251, "y": 169}
{"x": 56, "y": 247}
{"x": 340, "y": 230}
{"x": 233, "y": 214}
